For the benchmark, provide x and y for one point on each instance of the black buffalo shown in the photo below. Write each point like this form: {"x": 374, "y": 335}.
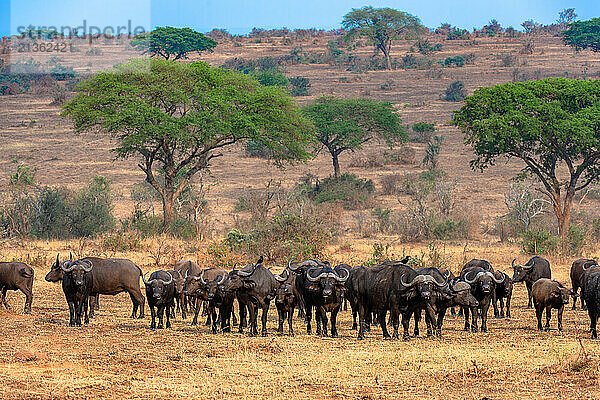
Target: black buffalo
{"x": 503, "y": 292}
{"x": 322, "y": 287}
{"x": 202, "y": 288}
{"x": 254, "y": 287}
{"x": 577, "y": 277}
{"x": 110, "y": 277}
{"x": 160, "y": 293}
{"x": 186, "y": 268}
{"x": 77, "y": 284}
{"x": 536, "y": 268}
{"x": 591, "y": 294}
{"x": 477, "y": 263}
{"x": 483, "y": 286}
{"x": 286, "y": 301}
{"x": 17, "y": 276}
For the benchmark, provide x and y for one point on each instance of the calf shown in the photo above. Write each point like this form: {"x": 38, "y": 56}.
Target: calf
{"x": 17, "y": 276}
{"x": 591, "y": 294}
{"x": 503, "y": 291}
{"x": 285, "y": 301}
{"x": 77, "y": 284}
{"x": 549, "y": 294}
{"x": 160, "y": 293}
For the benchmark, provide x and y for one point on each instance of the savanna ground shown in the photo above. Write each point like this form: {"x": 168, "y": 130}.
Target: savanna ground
{"x": 116, "y": 357}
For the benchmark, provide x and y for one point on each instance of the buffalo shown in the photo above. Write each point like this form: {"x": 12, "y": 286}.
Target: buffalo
{"x": 254, "y": 286}
{"x": 77, "y": 284}
{"x": 209, "y": 288}
{"x": 322, "y": 287}
{"x": 286, "y": 301}
{"x": 577, "y": 277}
{"x": 536, "y": 268}
{"x": 202, "y": 288}
{"x": 185, "y": 268}
{"x": 503, "y": 291}
{"x": 549, "y": 294}
{"x": 591, "y": 294}
{"x": 17, "y": 276}
{"x": 110, "y": 277}
{"x": 483, "y": 285}
{"x": 160, "y": 293}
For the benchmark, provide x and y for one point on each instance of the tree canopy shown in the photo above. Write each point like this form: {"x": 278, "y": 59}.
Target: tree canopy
{"x": 382, "y": 26}
{"x": 552, "y": 125}
{"x": 177, "y": 117}
{"x": 347, "y": 124}
{"x": 175, "y": 43}
{"x": 583, "y": 34}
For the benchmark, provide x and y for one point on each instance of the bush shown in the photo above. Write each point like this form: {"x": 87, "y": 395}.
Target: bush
{"x": 257, "y": 149}
{"x": 455, "y": 92}
{"x": 457, "y": 33}
{"x": 271, "y": 77}
{"x": 423, "y": 132}
{"x": 300, "y": 86}
{"x": 426, "y": 48}
{"x": 91, "y": 209}
{"x": 349, "y": 190}
{"x": 456, "y": 61}
{"x": 538, "y": 242}
{"x": 509, "y": 60}
{"x": 375, "y": 159}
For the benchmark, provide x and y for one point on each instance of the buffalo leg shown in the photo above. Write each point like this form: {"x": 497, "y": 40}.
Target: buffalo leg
{"x": 362, "y": 313}
{"x": 196, "y": 306}
{"x": 548, "y": 314}
{"x": 559, "y": 316}
{"x": 85, "y": 311}
{"x": 92, "y": 300}
{"x": 265, "y": 311}
{"x": 318, "y": 319}
{"x": 27, "y": 291}
{"x": 440, "y": 321}
{"x": 323, "y": 319}
{"x": 529, "y": 295}
{"x": 574, "y": 295}
{"x": 4, "y": 298}
{"x": 212, "y": 318}
{"x": 501, "y": 302}
{"x": 395, "y": 323}
{"x": 382, "y": 324}
{"x": 538, "y": 313}
{"x": 308, "y": 317}
{"x": 170, "y": 312}
{"x": 138, "y": 302}
{"x": 484, "y": 314}
{"x": 593, "y": 320}
{"x": 71, "y": 313}
{"x": 281, "y": 314}
{"x": 78, "y": 312}
{"x": 465, "y": 311}
{"x": 430, "y": 315}
{"x": 242, "y": 318}
{"x": 161, "y": 310}
{"x": 252, "y": 330}
{"x": 153, "y": 314}
{"x": 290, "y": 317}
{"x": 405, "y": 324}
{"x": 474, "y": 315}
{"x": 417, "y": 317}
{"x": 333, "y": 319}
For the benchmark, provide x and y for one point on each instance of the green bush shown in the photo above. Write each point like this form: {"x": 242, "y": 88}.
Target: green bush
{"x": 425, "y": 47}
{"x": 456, "y": 61}
{"x": 91, "y": 209}
{"x": 349, "y": 190}
{"x": 271, "y": 77}
{"x": 455, "y": 92}
{"x": 457, "y": 33}
{"x": 538, "y": 242}
{"x": 300, "y": 86}
{"x": 256, "y": 149}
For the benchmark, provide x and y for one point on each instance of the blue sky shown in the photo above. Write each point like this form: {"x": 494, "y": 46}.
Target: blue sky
{"x": 242, "y": 16}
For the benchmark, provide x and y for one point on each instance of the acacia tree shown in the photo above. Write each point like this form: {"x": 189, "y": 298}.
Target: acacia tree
{"x": 583, "y": 34}
{"x": 382, "y": 26}
{"x": 347, "y": 124}
{"x": 177, "y": 117}
{"x": 169, "y": 42}
{"x": 552, "y": 125}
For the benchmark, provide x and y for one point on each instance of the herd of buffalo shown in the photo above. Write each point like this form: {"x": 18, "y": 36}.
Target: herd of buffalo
{"x": 372, "y": 292}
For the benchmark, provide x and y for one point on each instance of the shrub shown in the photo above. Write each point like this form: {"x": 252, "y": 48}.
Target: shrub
{"x": 457, "y": 33}
{"x": 456, "y": 61}
{"x": 91, "y": 209}
{"x": 94, "y": 51}
{"x": 425, "y": 47}
{"x": 509, "y": 60}
{"x": 271, "y": 77}
{"x": 256, "y": 149}
{"x": 349, "y": 190}
{"x": 121, "y": 242}
{"x": 300, "y": 86}
{"x": 538, "y": 242}
{"x": 455, "y": 92}
{"x": 391, "y": 182}
{"x": 432, "y": 152}
{"x": 423, "y": 132}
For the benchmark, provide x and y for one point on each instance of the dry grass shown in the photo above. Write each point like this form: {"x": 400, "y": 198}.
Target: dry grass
{"x": 116, "y": 357}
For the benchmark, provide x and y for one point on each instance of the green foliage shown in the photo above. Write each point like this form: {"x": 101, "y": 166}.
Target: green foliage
{"x": 456, "y": 61}
{"x": 271, "y": 77}
{"x": 457, "y": 33}
{"x": 91, "y": 209}
{"x": 538, "y": 242}
{"x": 455, "y": 92}
{"x": 423, "y": 127}
{"x": 175, "y": 43}
{"x": 177, "y": 116}
{"x": 23, "y": 176}
{"x": 349, "y": 190}
{"x": 432, "y": 152}
{"x": 347, "y": 124}
{"x": 381, "y": 26}
{"x": 583, "y": 35}
{"x": 426, "y": 48}
{"x": 300, "y": 85}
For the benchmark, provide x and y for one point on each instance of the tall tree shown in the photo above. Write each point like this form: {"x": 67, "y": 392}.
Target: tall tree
{"x": 552, "y": 125}
{"x": 583, "y": 34}
{"x": 176, "y": 117}
{"x": 172, "y": 43}
{"x": 382, "y": 26}
{"x": 347, "y": 124}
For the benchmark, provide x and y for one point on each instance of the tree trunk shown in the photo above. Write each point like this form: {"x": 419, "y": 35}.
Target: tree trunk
{"x": 336, "y": 165}
{"x": 168, "y": 210}
{"x": 562, "y": 210}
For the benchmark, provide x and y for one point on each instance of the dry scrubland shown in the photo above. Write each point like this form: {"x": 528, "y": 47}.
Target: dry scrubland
{"x": 116, "y": 357}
